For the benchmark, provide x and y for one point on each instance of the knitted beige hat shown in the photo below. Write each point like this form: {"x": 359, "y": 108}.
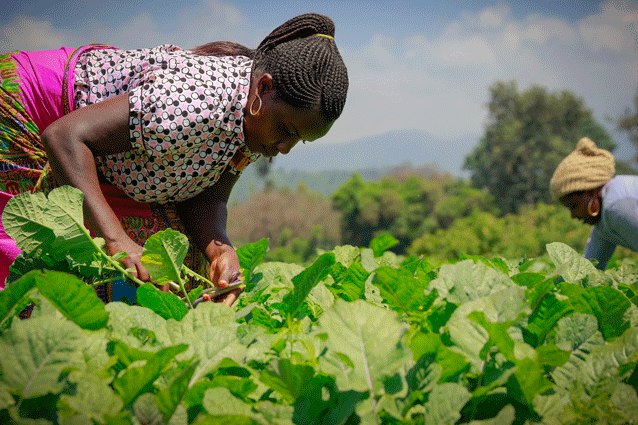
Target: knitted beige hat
{"x": 587, "y": 167}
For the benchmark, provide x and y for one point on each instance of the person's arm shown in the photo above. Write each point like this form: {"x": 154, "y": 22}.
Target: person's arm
{"x": 620, "y": 220}
{"x": 72, "y": 142}
{"x": 204, "y": 217}
{"x": 599, "y": 249}
{"x": 622, "y": 217}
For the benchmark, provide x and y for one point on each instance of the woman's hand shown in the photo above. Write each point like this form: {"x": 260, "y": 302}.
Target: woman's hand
{"x": 134, "y": 258}
{"x": 224, "y": 269}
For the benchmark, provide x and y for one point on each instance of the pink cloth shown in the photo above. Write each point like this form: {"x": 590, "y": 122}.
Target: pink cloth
{"x": 41, "y": 81}
{"x": 47, "y": 81}
{"x": 8, "y": 249}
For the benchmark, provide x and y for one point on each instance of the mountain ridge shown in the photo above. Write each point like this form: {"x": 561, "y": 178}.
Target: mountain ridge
{"x": 390, "y": 149}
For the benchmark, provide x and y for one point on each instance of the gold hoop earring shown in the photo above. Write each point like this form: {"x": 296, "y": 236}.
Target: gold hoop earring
{"x": 253, "y": 104}
{"x": 592, "y": 213}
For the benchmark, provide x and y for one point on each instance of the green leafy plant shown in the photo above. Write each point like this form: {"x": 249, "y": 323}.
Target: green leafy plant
{"x": 51, "y": 233}
{"x": 359, "y": 336}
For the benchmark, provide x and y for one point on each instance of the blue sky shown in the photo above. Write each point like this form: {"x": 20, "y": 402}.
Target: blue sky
{"x": 424, "y": 65}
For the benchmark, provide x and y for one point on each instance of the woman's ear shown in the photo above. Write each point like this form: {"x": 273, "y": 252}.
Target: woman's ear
{"x": 264, "y": 84}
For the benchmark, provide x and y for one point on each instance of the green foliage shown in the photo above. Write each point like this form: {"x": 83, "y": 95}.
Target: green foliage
{"x": 527, "y": 135}
{"x": 522, "y": 235}
{"x": 405, "y": 206}
{"x": 359, "y": 336}
{"x": 51, "y": 233}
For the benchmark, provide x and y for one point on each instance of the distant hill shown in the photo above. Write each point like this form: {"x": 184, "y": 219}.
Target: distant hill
{"x": 323, "y": 182}
{"x": 323, "y": 167}
{"x": 386, "y": 150}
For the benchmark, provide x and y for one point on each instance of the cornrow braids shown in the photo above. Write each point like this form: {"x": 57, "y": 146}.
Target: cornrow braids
{"x": 307, "y": 69}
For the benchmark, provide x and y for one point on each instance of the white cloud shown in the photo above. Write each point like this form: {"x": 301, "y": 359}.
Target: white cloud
{"x": 608, "y": 30}
{"x": 491, "y": 18}
{"x": 26, "y": 33}
{"x": 439, "y": 83}
{"x": 542, "y": 31}
{"x": 207, "y": 21}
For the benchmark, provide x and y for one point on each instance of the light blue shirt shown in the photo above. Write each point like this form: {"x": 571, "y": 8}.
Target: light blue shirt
{"x": 618, "y": 223}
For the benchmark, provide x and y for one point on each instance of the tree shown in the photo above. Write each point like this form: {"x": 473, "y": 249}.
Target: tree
{"x": 527, "y": 135}
{"x": 405, "y": 204}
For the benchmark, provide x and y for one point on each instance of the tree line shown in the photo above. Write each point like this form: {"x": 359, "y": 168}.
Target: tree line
{"x": 504, "y": 209}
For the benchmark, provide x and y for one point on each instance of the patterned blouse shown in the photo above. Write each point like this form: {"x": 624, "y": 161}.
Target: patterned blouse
{"x": 186, "y": 116}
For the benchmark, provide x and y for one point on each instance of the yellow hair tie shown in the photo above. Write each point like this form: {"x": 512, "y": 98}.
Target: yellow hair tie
{"x": 327, "y": 36}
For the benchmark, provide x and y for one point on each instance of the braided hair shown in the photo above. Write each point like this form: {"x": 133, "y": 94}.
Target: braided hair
{"x": 303, "y": 59}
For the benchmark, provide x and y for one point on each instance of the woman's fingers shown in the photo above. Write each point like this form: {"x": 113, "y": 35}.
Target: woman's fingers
{"x": 230, "y": 297}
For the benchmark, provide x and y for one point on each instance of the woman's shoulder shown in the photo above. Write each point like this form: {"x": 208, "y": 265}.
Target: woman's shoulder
{"x": 624, "y": 181}
{"x": 619, "y": 188}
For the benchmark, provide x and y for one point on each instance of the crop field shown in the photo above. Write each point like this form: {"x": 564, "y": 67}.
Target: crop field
{"x": 360, "y": 336}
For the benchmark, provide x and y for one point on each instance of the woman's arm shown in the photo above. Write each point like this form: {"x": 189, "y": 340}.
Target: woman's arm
{"x": 204, "y": 217}
{"x": 72, "y": 143}
{"x": 618, "y": 226}
{"x": 599, "y": 249}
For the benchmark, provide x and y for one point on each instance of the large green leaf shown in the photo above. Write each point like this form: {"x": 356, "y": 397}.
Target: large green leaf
{"x": 166, "y": 304}
{"x": 36, "y": 352}
{"x": 12, "y": 294}
{"x": 467, "y": 281}
{"x": 609, "y": 305}
{"x": 382, "y": 243}
{"x": 572, "y": 331}
{"x": 365, "y": 345}
{"x": 221, "y": 402}
{"x": 92, "y": 397}
{"x": 576, "y": 369}
{"x": 251, "y": 255}
{"x": 469, "y": 337}
{"x": 170, "y": 397}
{"x": 548, "y": 311}
{"x": 289, "y": 380}
{"x": 429, "y": 345}
{"x": 77, "y": 301}
{"x": 529, "y": 374}
{"x": 305, "y": 281}
{"x": 402, "y": 290}
{"x": 210, "y": 336}
{"x": 350, "y": 283}
{"x": 569, "y": 263}
{"x": 26, "y": 220}
{"x": 164, "y": 254}
{"x": 138, "y": 380}
{"x": 72, "y": 237}
{"x": 347, "y": 255}
{"x": 445, "y": 403}
{"x": 127, "y": 322}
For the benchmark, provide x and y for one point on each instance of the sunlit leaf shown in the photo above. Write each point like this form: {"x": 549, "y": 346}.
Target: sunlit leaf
{"x": 166, "y": 304}
{"x": 370, "y": 337}
{"x": 73, "y": 298}
{"x": 382, "y": 243}
{"x": 305, "y": 281}
{"x": 164, "y": 254}
{"x": 26, "y": 220}
{"x": 251, "y": 255}
{"x": 37, "y": 351}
